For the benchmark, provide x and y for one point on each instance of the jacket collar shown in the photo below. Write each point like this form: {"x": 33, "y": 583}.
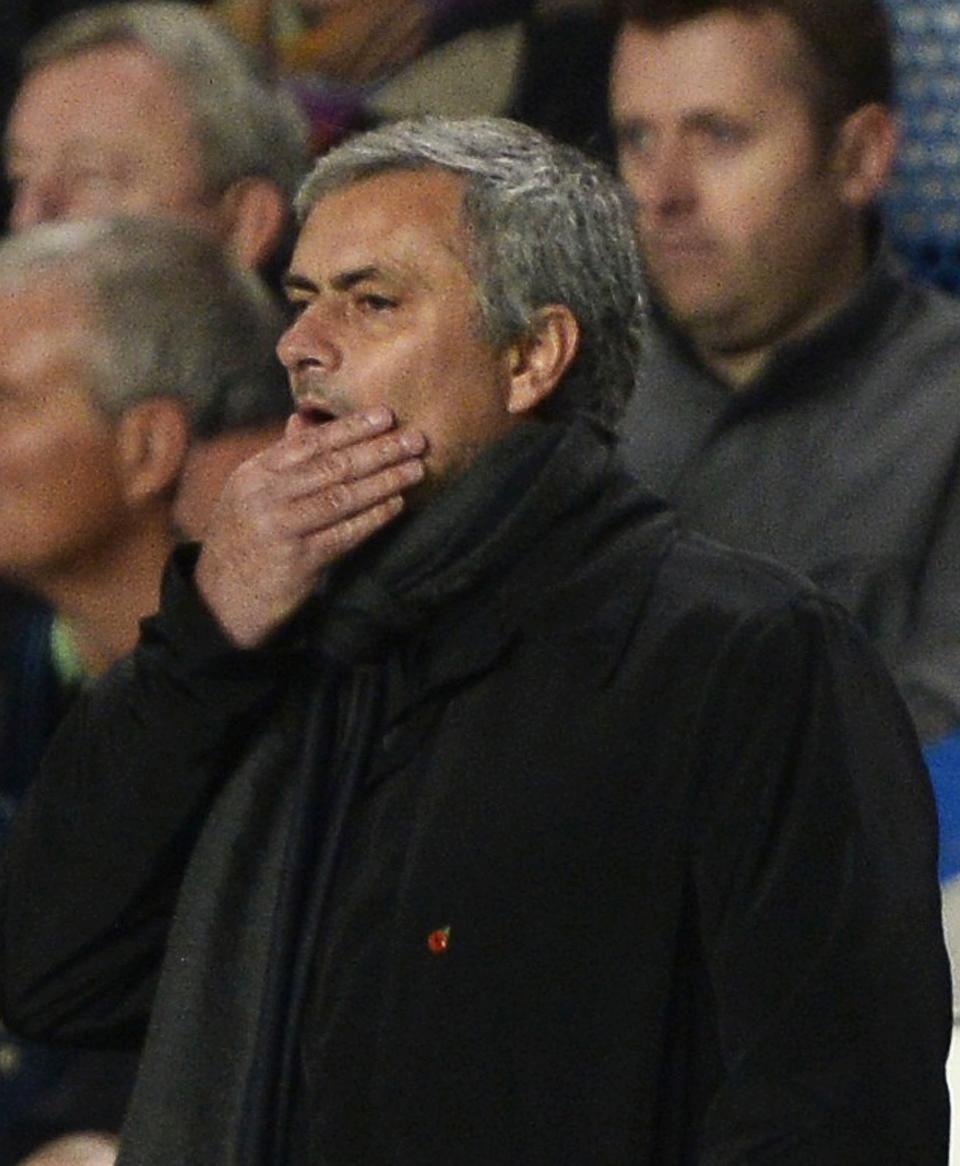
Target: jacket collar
{"x": 807, "y": 364}
{"x": 514, "y": 541}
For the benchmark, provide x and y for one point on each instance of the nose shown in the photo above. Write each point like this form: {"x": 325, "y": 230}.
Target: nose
{"x": 309, "y": 343}
{"x": 664, "y": 183}
{"x": 37, "y": 199}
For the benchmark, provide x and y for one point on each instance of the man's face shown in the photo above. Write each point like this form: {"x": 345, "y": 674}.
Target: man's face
{"x": 746, "y": 230}
{"x": 100, "y": 133}
{"x": 387, "y": 315}
{"x": 60, "y": 491}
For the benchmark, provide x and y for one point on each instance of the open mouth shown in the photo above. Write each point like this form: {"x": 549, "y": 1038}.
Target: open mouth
{"x": 313, "y": 414}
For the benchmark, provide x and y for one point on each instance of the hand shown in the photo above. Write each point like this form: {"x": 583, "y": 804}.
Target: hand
{"x": 291, "y": 511}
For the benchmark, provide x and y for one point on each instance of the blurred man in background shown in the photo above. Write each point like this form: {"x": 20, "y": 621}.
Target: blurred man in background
{"x": 798, "y": 397}
{"x": 154, "y": 109}
{"x": 147, "y": 109}
{"x": 123, "y": 344}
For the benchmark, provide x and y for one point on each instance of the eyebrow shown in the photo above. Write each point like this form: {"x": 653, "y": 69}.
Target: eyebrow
{"x": 343, "y": 281}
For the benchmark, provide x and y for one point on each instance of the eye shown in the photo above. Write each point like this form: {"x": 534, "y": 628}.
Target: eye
{"x": 90, "y": 174}
{"x": 93, "y": 177}
{"x": 374, "y": 302}
{"x": 723, "y": 133}
{"x": 633, "y": 137}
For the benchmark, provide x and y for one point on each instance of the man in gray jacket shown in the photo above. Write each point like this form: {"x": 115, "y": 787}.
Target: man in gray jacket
{"x": 799, "y": 395}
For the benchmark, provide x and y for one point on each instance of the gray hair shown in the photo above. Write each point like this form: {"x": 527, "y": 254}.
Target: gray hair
{"x": 244, "y": 123}
{"x": 170, "y": 316}
{"x": 546, "y": 226}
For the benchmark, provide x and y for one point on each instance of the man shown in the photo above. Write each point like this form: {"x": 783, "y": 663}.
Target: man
{"x": 19, "y": 21}
{"x": 472, "y": 813}
{"x": 152, "y": 108}
{"x": 799, "y": 395}
{"x": 122, "y": 343}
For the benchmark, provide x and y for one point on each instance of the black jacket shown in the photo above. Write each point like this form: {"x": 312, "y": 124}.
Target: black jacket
{"x": 608, "y": 846}
{"x": 44, "y": 1091}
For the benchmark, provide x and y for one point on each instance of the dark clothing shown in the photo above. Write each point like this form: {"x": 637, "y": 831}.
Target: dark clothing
{"x": 44, "y": 1091}
{"x": 842, "y": 461}
{"x": 563, "y": 85}
{"x": 545, "y": 835}
{"x": 32, "y": 698}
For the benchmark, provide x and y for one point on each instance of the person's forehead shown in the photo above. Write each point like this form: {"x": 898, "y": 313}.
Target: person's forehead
{"x": 404, "y": 221}
{"x": 108, "y": 91}
{"x": 721, "y": 58}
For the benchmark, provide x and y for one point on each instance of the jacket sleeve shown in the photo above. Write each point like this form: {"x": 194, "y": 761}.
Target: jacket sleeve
{"x": 818, "y": 905}
{"x": 98, "y": 848}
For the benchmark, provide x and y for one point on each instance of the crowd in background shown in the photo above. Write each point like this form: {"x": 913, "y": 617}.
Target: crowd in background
{"x": 350, "y": 65}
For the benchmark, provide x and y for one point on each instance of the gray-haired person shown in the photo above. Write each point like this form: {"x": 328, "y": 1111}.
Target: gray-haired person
{"x": 154, "y": 108}
{"x": 473, "y": 812}
{"x": 135, "y": 362}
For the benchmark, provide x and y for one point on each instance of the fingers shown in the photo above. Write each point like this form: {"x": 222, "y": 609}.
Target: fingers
{"x": 320, "y": 474}
{"x": 312, "y": 474}
{"x": 305, "y": 438}
{"x": 330, "y": 544}
{"x": 315, "y": 510}
{"x": 288, "y": 514}
{"x": 340, "y": 431}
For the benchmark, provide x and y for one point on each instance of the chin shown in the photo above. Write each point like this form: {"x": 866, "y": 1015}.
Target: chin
{"x": 712, "y": 322}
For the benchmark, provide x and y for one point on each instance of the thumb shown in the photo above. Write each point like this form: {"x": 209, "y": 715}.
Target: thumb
{"x": 295, "y": 425}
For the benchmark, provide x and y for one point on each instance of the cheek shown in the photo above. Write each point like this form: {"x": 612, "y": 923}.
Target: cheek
{"x": 789, "y": 233}
{"x": 470, "y": 407}
{"x": 155, "y": 185}
{"x": 57, "y": 478}
{"x": 407, "y": 376}
{"x": 768, "y": 204}
{"x": 742, "y": 203}
{"x": 94, "y": 203}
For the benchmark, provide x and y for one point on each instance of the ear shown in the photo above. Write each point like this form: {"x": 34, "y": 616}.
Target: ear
{"x": 541, "y": 356}
{"x": 255, "y": 211}
{"x": 152, "y": 441}
{"x": 864, "y": 153}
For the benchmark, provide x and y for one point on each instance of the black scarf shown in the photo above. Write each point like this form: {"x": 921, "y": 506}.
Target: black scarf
{"x": 481, "y": 523}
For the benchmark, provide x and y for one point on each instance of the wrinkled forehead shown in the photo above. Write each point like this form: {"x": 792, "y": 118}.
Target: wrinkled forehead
{"x": 408, "y": 221}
